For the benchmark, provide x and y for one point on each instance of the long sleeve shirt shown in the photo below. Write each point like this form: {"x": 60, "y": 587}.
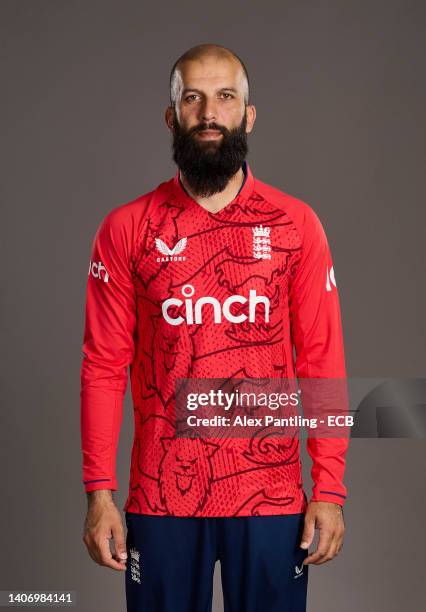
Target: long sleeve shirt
{"x": 176, "y": 292}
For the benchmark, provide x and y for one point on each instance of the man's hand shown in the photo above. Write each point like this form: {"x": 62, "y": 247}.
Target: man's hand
{"x": 103, "y": 522}
{"x": 328, "y": 519}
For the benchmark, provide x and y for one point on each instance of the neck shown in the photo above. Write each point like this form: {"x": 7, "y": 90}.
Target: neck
{"x": 219, "y": 200}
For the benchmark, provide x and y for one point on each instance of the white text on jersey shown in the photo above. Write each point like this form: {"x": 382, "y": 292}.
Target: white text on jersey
{"x": 98, "y": 270}
{"x": 193, "y": 312}
{"x": 331, "y": 279}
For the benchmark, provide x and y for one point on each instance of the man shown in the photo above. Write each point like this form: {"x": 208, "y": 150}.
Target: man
{"x": 213, "y": 274}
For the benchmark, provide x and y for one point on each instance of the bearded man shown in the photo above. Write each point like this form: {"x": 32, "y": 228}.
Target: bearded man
{"x": 211, "y": 275}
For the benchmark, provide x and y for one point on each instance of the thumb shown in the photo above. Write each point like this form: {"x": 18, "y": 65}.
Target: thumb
{"x": 308, "y": 532}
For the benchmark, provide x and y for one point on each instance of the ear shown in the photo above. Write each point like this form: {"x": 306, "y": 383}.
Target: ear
{"x": 168, "y": 115}
{"x": 251, "y": 117}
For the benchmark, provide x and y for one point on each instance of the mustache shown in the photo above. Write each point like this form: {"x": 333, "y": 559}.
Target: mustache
{"x": 208, "y": 126}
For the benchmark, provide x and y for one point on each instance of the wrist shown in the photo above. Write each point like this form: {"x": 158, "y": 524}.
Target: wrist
{"x": 100, "y": 496}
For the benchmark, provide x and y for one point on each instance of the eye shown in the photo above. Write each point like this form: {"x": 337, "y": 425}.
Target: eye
{"x": 227, "y": 95}
{"x": 191, "y": 97}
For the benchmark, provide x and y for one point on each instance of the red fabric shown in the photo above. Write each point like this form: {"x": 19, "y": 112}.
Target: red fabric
{"x": 128, "y": 282}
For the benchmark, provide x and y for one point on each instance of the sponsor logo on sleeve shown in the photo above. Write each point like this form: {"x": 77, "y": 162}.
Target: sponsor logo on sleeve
{"x": 98, "y": 270}
{"x": 331, "y": 280}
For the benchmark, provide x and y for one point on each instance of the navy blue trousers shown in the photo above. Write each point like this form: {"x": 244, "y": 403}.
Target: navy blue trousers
{"x": 171, "y": 561}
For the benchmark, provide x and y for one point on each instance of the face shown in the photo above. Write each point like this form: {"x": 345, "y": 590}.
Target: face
{"x": 210, "y": 123}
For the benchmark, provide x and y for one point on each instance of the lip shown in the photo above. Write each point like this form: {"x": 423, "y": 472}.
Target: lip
{"x": 209, "y": 134}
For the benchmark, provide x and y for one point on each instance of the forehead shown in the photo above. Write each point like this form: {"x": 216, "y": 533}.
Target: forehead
{"x": 211, "y": 72}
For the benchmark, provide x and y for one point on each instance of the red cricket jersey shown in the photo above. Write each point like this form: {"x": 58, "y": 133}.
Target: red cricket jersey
{"x": 175, "y": 291}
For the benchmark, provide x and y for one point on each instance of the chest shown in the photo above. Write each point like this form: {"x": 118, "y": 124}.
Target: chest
{"x": 234, "y": 267}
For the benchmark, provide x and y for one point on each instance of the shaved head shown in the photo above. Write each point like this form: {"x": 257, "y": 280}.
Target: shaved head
{"x": 199, "y": 53}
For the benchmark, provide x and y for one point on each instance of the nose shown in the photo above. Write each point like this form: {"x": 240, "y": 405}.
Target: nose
{"x": 208, "y": 110}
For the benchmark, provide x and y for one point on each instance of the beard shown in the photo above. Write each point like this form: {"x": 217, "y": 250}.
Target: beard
{"x": 208, "y": 165}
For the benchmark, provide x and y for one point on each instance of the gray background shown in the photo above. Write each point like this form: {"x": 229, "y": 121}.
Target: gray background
{"x": 340, "y": 95}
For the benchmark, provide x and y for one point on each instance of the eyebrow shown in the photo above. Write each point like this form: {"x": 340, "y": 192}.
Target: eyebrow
{"x": 194, "y": 89}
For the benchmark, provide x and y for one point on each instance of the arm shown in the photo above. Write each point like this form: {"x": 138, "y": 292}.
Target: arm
{"x": 108, "y": 349}
{"x": 318, "y": 339}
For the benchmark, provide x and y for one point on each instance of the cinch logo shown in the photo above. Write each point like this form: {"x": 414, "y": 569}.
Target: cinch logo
{"x": 193, "y": 311}
{"x": 98, "y": 270}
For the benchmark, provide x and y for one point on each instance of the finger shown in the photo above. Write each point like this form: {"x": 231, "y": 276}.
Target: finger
{"x": 89, "y": 546}
{"x": 338, "y": 538}
{"x": 340, "y": 544}
{"x": 308, "y": 532}
{"x": 324, "y": 544}
{"x": 106, "y": 557}
{"x": 314, "y": 558}
{"x": 331, "y": 548}
{"x": 119, "y": 541}
{"x": 329, "y": 555}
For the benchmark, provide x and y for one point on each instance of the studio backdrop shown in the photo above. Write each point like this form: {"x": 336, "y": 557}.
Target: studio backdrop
{"x": 340, "y": 99}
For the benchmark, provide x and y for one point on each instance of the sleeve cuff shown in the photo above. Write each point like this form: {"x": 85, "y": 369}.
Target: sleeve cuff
{"x": 100, "y": 483}
{"x": 329, "y": 496}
